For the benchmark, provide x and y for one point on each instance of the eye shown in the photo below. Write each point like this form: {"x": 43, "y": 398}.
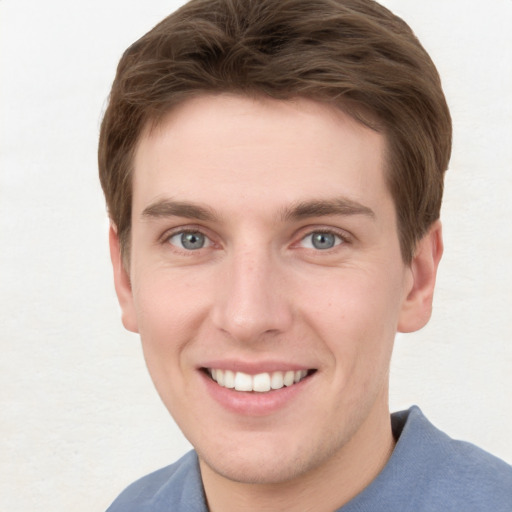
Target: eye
{"x": 321, "y": 241}
{"x": 189, "y": 240}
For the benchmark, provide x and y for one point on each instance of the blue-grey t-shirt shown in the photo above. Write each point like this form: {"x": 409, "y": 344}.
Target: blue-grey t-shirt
{"x": 427, "y": 472}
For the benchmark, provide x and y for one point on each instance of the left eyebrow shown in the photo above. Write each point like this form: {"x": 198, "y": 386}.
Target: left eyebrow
{"x": 325, "y": 207}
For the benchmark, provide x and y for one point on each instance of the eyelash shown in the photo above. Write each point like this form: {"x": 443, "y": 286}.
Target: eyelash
{"x": 343, "y": 238}
{"x": 168, "y": 235}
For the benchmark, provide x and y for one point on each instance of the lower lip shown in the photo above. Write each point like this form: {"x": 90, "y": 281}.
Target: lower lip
{"x": 254, "y": 403}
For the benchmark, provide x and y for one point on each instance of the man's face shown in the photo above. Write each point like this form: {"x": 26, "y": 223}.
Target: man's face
{"x": 264, "y": 243}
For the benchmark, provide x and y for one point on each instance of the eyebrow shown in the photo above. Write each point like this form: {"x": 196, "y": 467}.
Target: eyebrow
{"x": 297, "y": 211}
{"x": 171, "y": 208}
{"x": 325, "y": 207}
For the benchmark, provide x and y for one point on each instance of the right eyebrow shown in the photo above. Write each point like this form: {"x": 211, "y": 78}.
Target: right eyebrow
{"x": 170, "y": 208}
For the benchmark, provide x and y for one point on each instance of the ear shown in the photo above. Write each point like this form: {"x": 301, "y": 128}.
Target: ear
{"x": 417, "y": 306}
{"x": 122, "y": 282}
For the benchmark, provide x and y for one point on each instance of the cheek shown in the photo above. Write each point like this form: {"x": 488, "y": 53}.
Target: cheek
{"x": 166, "y": 328}
{"x": 356, "y": 316}
{"x": 169, "y": 314}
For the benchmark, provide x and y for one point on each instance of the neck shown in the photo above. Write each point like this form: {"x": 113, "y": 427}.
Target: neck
{"x": 337, "y": 480}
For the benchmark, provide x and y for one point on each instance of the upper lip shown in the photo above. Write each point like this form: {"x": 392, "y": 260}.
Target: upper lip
{"x": 253, "y": 367}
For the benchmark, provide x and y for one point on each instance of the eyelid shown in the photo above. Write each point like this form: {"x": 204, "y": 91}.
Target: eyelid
{"x": 343, "y": 235}
{"x": 206, "y": 241}
{"x": 304, "y": 232}
{"x": 179, "y": 230}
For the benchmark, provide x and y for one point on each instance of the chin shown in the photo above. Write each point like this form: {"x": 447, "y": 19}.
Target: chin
{"x": 255, "y": 471}
{"x": 266, "y": 463}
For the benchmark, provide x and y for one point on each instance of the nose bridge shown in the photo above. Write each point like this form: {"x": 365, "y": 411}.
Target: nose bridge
{"x": 251, "y": 303}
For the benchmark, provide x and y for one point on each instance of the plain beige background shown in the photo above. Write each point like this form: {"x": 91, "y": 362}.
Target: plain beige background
{"x": 79, "y": 416}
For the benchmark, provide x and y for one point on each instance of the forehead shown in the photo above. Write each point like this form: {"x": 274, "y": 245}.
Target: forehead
{"x": 231, "y": 150}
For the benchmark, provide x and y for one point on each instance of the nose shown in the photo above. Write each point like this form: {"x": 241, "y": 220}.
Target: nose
{"x": 252, "y": 302}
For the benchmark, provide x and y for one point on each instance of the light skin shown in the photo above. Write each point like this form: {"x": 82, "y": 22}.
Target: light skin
{"x": 264, "y": 240}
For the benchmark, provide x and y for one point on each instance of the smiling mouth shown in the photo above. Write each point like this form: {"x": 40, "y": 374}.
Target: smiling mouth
{"x": 260, "y": 383}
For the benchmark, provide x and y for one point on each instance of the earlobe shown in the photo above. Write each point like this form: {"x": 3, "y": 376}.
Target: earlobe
{"x": 417, "y": 305}
{"x": 122, "y": 282}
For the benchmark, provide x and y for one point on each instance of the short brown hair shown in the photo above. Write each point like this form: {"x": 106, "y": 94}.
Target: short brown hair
{"x": 353, "y": 54}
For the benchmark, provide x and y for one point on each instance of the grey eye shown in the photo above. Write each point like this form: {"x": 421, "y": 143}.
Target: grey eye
{"x": 189, "y": 240}
{"x": 321, "y": 241}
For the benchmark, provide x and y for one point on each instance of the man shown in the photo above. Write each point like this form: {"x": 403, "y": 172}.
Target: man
{"x": 273, "y": 172}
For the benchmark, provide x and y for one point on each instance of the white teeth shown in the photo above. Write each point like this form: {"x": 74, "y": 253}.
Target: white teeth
{"x": 229, "y": 379}
{"x": 276, "y": 381}
{"x": 261, "y": 383}
{"x": 243, "y": 382}
{"x": 289, "y": 377}
{"x": 299, "y": 375}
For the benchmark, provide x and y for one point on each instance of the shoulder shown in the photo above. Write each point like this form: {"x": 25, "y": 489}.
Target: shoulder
{"x": 454, "y": 473}
{"x": 430, "y": 472}
{"x": 178, "y": 485}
